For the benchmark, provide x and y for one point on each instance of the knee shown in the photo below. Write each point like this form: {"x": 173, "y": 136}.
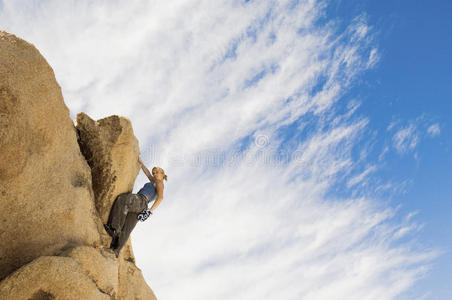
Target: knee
{"x": 122, "y": 198}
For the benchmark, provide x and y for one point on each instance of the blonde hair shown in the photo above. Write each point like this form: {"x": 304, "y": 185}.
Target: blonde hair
{"x": 163, "y": 171}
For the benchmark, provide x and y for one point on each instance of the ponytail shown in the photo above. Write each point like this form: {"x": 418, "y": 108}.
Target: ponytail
{"x": 164, "y": 175}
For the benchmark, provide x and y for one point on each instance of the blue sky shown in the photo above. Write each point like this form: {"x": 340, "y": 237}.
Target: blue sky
{"x": 307, "y": 143}
{"x": 413, "y": 80}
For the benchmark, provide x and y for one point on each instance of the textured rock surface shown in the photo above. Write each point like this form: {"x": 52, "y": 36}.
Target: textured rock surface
{"x": 131, "y": 283}
{"x": 53, "y": 243}
{"x": 99, "y": 266}
{"x": 45, "y": 182}
{"x": 111, "y": 150}
{"x": 50, "y": 278}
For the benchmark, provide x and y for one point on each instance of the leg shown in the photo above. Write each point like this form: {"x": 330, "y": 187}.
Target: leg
{"x": 130, "y": 223}
{"x": 124, "y": 204}
{"x": 118, "y": 213}
{"x": 124, "y": 214}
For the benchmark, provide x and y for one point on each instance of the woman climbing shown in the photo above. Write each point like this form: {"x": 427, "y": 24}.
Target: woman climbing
{"x": 130, "y": 208}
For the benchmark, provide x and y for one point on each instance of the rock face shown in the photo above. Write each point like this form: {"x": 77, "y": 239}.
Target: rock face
{"x": 55, "y": 197}
{"x": 111, "y": 150}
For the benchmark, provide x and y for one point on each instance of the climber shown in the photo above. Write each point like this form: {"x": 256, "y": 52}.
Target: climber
{"x": 130, "y": 208}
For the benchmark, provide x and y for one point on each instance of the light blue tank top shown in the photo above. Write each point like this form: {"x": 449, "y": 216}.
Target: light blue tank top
{"x": 149, "y": 191}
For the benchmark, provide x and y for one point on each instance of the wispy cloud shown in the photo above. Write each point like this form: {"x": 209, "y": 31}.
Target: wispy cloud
{"x": 239, "y": 102}
{"x": 360, "y": 177}
{"x": 407, "y": 136}
{"x": 434, "y": 130}
{"x": 406, "y": 139}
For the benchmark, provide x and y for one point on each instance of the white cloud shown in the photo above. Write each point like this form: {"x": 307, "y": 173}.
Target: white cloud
{"x": 198, "y": 79}
{"x": 434, "y": 130}
{"x": 406, "y": 139}
{"x": 374, "y": 57}
{"x": 360, "y": 177}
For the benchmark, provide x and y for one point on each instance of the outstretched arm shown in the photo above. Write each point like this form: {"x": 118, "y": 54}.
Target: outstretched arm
{"x": 159, "y": 188}
{"x": 146, "y": 171}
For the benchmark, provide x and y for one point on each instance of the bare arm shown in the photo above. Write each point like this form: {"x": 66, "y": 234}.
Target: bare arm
{"x": 159, "y": 188}
{"x": 146, "y": 171}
